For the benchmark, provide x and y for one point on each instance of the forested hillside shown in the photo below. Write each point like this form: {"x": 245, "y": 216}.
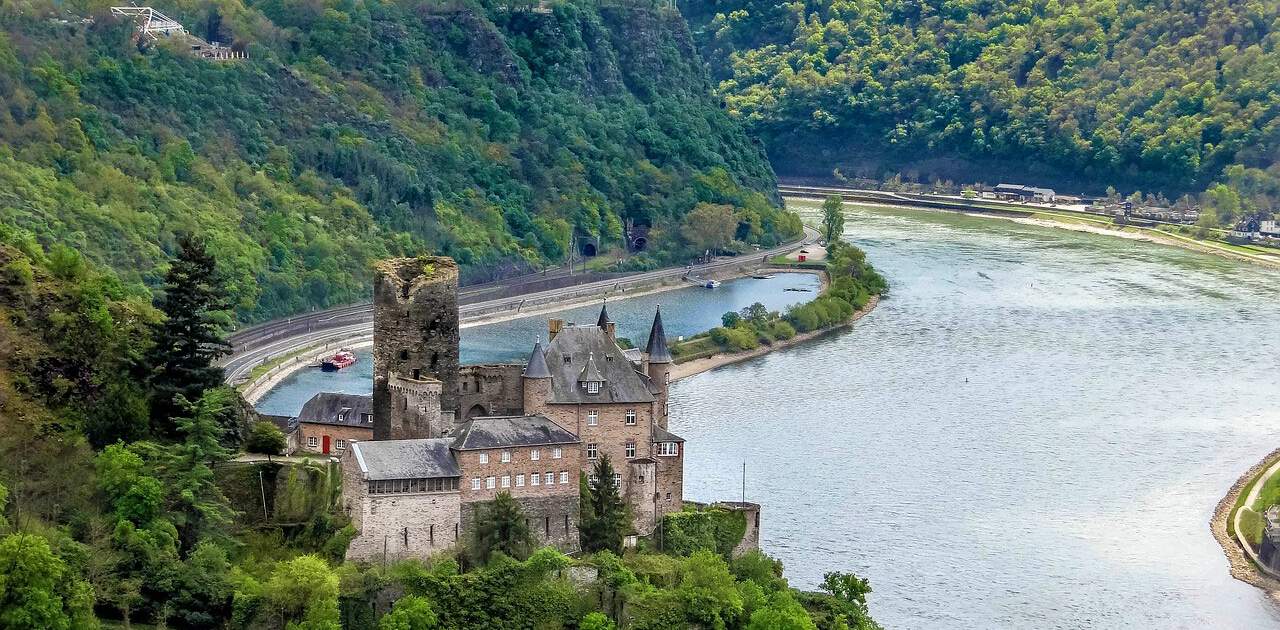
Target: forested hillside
{"x": 358, "y": 129}
{"x": 1160, "y": 95}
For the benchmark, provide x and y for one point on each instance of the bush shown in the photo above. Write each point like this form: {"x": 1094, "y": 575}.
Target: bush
{"x": 265, "y": 438}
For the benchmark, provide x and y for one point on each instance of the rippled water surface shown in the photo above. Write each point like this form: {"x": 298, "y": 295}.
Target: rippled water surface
{"x": 1032, "y": 432}
{"x": 684, "y": 312}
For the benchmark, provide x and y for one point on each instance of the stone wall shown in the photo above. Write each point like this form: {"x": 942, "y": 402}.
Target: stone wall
{"x": 396, "y": 526}
{"x": 751, "y": 538}
{"x": 552, "y": 520}
{"x": 490, "y": 390}
{"x": 415, "y": 329}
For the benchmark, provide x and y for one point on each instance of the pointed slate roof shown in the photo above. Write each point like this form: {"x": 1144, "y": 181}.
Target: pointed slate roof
{"x": 657, "y": 349}
{"x": 568, "y": 352}
{"x": 537, "y": 367}
{"x": 604, "y": 315}
{"x": 590, "y": 372}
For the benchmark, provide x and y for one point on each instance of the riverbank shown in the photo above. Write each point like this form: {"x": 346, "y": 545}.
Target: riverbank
{"x": 281, "y": 367}
{"x": 1223, "y": 527}
{"x": 1090, "y": 224}
{"x": 704, "y": 364}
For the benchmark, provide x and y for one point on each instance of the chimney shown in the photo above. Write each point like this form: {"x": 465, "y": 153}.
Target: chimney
{"x": 554, "y": 326}
{"x": 611, "y": 329}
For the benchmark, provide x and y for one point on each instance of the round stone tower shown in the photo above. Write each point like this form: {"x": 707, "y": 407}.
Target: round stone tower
{"x": 415, "y": 338}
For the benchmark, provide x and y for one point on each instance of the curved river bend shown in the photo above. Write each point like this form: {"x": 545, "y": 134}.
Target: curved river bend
{"x": 1031, "y": 432}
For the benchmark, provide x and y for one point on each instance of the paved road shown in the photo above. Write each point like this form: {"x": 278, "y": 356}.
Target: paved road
{"x": 259, "y": 344}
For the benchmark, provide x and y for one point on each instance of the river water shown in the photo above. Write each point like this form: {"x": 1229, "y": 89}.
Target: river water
{"x": 684, "y": 312}
{"x": 1031, "y": 432}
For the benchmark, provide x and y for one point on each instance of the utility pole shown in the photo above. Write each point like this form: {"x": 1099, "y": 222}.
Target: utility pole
{"x": 744, "y": 481}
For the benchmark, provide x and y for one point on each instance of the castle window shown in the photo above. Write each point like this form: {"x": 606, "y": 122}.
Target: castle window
{"x": 506, "y": 481}
{"x": 520, "y": 480}
{"x": 617, "y": 480}
{"x": 475, "y": 483}
{"x": 668, "y": 449}
{"x": 484, "y": 458}
{"x": 549, "y": 479}
{"x": 592, "y": 480}
{"x": 313, "y": 441}
{"x": 631, "y": 449}
{"x": 640, "y": 478}
{"x": 535, "y": 479}
{"x": 404, "y": 355}
{"x": 592, "y": 451}
{"x": 556, "y": 453}
{"x": 417, "y": 374}
{"x": 534, "y": 455}
{"x": 593, "y": 418}
{"x": 506, "y": 456}
{"x": 564, "y": 476}
{"x": 435, "y": 361}
{"x": 593, "y": 387}
{"x": 566, "y": 359}
{"x": 342, "y": 415}
{"x": 631, "y": 417}
{"x": 490, "y": 482}
{"x": 340, "y": 445}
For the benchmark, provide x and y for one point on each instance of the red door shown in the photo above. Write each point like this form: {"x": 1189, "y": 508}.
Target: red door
{"x": 324, "y": 445}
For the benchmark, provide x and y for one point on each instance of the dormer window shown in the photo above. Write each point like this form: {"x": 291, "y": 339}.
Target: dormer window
{"x": 566, "y": 359}
{"x": 593, "y": 387}
{"x": 342, "y": 415}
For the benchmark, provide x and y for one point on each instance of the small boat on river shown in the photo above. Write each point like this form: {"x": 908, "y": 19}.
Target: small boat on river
{"x": 344, "y": 358}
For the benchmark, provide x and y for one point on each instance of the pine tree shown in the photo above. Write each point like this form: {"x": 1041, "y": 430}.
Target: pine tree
{"x": 500, "y": 526}
{"x": 604, "y": 519}
{"x": 188, "y": 341}
{"x": 201, "y": 507}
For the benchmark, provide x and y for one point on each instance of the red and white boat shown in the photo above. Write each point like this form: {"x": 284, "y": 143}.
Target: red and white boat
{"x": 338, "y": 361}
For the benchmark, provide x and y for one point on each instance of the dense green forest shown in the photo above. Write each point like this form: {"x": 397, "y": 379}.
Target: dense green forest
{"x": 1170, "y": 95}
{"x": 120, "y": 502}
{"x": 358, "y": 129}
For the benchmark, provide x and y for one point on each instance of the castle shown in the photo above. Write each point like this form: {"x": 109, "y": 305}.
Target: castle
{"x": 447, "y": 438}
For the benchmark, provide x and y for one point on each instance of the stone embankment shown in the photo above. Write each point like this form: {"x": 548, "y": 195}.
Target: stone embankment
{"x": 1242, "y": 568}
{"x": 698, "y": 366}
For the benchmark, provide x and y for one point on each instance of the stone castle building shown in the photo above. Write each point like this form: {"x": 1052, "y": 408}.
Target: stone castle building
{"x": 448, "y": 438}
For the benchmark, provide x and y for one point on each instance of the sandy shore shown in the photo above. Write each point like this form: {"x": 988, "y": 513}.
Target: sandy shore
{"x": 698, "y": 366}
{"x": 1241, "y": 567}
{"x": 1150, "y": 236}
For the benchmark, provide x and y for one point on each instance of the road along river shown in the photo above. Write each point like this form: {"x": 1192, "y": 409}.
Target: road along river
{"x": 684, "y": 312}
{"x": 1031, "y": 432}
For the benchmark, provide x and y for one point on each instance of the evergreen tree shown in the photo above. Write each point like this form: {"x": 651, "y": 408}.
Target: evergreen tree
{"x": 604, "y": 519}
{"x": 832, "y": 218}
{"x": 201, "y": 508}
{"x": 188, "y": 340}
{"x": 500, "y": 526}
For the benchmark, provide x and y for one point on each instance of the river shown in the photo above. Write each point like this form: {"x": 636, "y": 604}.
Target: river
{"x": 684, "y": 312}
{"x": 1032, "y": 431}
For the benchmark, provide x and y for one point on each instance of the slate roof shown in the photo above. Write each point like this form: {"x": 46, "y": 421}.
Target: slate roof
{"x": 591, "y": 373}
{"x": 537, "y": 367}
{"x": 579, "y": 343}
{"x": 405, "y": 459}
{"x": 286, "y": 424}
{"x": 604, "y": 316}
{"x": 657, "y": 349}
{"x": 660, "y": 434}
{"x": 323, "y": 408}
{"x": 507, "y": 431}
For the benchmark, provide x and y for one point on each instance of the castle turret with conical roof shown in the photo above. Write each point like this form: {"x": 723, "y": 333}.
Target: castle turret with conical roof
{"x": 536, "y": 380}
{"x": 658, "y": 367}
{"x": 606, "y": 323}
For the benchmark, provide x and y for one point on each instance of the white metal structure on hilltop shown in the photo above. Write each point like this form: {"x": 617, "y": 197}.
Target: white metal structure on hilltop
{"x": 151, "y": 23}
